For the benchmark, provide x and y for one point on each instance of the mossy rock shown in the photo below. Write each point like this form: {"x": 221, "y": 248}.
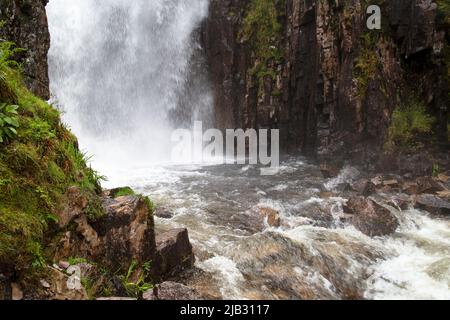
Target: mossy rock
{"x": 37, "y": 166}
{"x": 121, "y": 192}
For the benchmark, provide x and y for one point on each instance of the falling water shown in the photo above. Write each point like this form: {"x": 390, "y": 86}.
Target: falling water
{"x": 120, "y": 71}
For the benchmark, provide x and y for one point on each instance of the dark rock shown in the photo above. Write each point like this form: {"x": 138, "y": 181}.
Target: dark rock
{"x": 329, "y": 171}
{"x": 433, "y": 204}
{"x": 417, "y": 164}
{"x": 371, "y": 218}
{"x": 401, "y": 201}
{"x": 429, "y": 185}
{"x": 364, "y": 187}
{"x": 5, "y": 287}
{"x": 317, "y": 81}
{"x": 173, "y": 253}
{"x": 163, "y": 213}
{"x": 25, "y": 23}
{"x": 391, "y": 183}
{"x": 125, "y": 233}
{"x": 411, "y": 188}
{"x": 171, "y": 291}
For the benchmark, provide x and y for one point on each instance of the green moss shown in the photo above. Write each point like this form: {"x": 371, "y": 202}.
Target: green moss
{"x": 151, "y": 205}
{"x": 37, "y": 166}
{"x": 444, "y": 9}
{"x": 262, "y": 29}
{"x": 122, "y": 192}
{"x": 366, "y": 63}
{"x": 408, "y": 121}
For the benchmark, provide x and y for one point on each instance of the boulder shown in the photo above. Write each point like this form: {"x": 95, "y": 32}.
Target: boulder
{"x": 400, "y": 201}
{"x": 411, "y": 188}
{"x": 173, "y": 253}
{"x": 171, "y": 291}
{"x": 329, "y": 170}
{"x": 429, "y": 185}
{"x": 393, "y": 183}
{"x": 163, "y": 213}
{"x": 371, "y": 218}
{"x": 124, "y": 234}
{"x": 271, "y": 216}
{"x": 377, "y": 181}
{"x": 432, "y": 204}
{"x": 364, "y": 187}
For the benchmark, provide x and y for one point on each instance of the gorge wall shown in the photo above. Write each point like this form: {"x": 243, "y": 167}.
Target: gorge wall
{"x": 24, "y": 22}
{"x": 313, "y": 69}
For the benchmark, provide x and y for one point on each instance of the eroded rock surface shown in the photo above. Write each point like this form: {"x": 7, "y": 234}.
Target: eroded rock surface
{"x": 173, "y": 252}
{"x": 25, "y": 23}
{"x": 371, "y": 218}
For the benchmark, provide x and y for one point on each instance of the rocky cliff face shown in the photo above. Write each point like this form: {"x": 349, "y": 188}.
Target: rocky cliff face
{"x": 314, "y": 70}
{"x": 25, "y": 23}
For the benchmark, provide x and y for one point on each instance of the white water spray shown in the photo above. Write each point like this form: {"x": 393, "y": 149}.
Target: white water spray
{"x": 118, "y": 69}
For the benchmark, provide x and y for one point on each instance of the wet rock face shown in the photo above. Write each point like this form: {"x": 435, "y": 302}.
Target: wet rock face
{"x": 127, "y": 230}
{"x": 26, "y": 25}
{"x": 371, "y": 218}
{"x": 124, "y": 234}
{"x": 314, "y": 94}
{"x": 173, "y": 253}
{"x": 433, "y": 204}
{"x": 315, "y": 266}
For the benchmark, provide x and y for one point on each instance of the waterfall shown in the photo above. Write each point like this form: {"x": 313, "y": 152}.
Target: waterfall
{"x": 120, "y": 71}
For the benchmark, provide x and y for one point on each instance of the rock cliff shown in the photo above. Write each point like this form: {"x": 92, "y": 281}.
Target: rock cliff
{"x": 314, "y": 70}
{"x": 24, "y": 22}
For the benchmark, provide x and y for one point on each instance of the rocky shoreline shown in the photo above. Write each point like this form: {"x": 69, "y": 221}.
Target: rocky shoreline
{"x": 104, "y": 248}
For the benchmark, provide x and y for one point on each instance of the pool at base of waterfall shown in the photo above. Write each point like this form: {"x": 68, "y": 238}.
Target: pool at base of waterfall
{"x": 312, "y": 254}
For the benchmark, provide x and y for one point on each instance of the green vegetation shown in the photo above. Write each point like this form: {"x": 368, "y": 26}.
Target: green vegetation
{"x": 135, "y": 288}
{"x": 444, "y": 9}
{"x": 75, "y": 261}
{"x": 408, "y": 122}
{"x": 262, "y": 28}
{"x": 151, "y": 205}
{"x": 39, "y": 161}
{"x": 122, "y": 192}
{"x": 8, "y": 121}
{"x": 366, "y": 63}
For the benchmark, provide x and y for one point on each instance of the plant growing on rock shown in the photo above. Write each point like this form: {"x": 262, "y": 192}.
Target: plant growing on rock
{"x": 263, "y": 30}
{"x": 8, "y": 122}
{"x": 135, "y": 288}
{"x": 40, "y": 162}
{"x": 408, "y": 122}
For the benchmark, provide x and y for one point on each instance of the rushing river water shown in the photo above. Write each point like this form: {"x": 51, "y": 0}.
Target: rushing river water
{"x": 119, "y": 70}
{"x": 312, "y": 255}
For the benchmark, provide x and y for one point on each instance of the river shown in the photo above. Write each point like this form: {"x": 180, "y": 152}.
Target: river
{"x": 118, "y": 71}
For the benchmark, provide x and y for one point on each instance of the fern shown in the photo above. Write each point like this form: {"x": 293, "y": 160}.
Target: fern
{"x": 9, "y": 122}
